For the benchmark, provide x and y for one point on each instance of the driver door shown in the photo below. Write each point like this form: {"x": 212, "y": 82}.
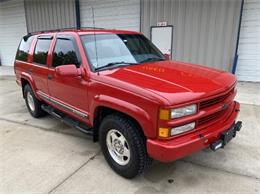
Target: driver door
{"x": 67, "y": 93}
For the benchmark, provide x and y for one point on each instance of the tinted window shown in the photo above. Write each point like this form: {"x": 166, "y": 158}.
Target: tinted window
{"x": 41, "y": 51}
{"x": 23, "y": 50}
{"x": 65, "y": 53}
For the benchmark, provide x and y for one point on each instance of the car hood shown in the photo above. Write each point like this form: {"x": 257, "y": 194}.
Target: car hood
{"x": 177, "y": 82}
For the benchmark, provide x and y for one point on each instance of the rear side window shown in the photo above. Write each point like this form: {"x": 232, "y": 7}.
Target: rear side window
{"x": 65, "y": 53}
{"x": 41, "y": 50}
{"x": 24, "y": 47}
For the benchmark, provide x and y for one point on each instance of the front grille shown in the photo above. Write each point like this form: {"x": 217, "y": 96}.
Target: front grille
{"x": 216, "y": 100}
{"x": 210, "y": 117}
{"x": 210, "y": 102}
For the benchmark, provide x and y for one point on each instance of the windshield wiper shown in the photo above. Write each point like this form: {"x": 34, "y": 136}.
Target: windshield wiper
{"x": 151, "y": 59}
{"x": 111, "y": 64}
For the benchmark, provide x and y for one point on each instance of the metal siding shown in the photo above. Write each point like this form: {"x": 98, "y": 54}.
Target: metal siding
{"x": 12, "y": 28}
{"x": 204, "y": 31}
{"x": 50, "y": 14}
{"x": 248, "y": 68}
{"x": 119, "y": 14}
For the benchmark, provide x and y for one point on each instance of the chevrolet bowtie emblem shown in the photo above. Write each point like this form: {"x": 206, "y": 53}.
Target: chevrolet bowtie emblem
{"x": 225, "y": 106}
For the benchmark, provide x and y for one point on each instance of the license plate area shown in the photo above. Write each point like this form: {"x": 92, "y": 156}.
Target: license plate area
{"x": 228, "y": 135}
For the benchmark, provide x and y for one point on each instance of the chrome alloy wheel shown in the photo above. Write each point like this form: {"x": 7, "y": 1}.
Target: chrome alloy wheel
{"x": 118, "y": 147}
{"x": 30, "y": 101}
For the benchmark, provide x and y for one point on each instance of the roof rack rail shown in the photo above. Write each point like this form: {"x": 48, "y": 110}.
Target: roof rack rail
{"x": 62, "y": 29}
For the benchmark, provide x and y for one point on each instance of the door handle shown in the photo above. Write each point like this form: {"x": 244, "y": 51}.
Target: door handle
{"x": 49, "y": 76}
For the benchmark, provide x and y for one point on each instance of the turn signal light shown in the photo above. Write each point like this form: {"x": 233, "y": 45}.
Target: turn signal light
{"x": 164, "y": 132}
{"x": 164, "y": 114}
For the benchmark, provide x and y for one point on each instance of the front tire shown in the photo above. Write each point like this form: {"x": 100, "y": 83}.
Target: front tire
{"x": 32, "y": 103}
{"x": 123, "y": 145}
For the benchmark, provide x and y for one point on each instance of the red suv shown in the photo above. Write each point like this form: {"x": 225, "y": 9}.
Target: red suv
{"x": 118, "y": 87}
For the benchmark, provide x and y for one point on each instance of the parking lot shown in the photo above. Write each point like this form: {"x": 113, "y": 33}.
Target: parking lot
{"x": 46, "y": 156}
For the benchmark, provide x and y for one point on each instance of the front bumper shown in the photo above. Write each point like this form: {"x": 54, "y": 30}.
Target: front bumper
{"x": 170, "y": 150}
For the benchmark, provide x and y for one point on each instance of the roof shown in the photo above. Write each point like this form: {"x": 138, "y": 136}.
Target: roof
{"x": 85, "y": 30}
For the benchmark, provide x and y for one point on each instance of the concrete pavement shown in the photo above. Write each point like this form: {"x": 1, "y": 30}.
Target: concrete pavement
{"x": 46, "y": 156}
{"x": 7, "y": 71}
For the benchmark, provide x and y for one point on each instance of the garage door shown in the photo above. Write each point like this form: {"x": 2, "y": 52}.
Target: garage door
{"x": 12, "y": 28}
{"x": 248, "y": 68}
{"x": 119, "y": 14}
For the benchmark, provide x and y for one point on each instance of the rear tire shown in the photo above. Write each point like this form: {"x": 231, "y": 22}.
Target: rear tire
{"x": 123, "y": 145}
{"x": 32, "y": 103}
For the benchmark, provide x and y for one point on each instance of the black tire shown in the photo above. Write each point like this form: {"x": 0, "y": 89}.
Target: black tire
{"x": 37, "y": 112}
{"x": 139, "y": 159}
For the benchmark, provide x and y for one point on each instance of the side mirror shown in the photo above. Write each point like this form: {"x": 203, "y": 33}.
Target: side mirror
{"x": 69, "y": 70}
{"x": 167, "y": 56}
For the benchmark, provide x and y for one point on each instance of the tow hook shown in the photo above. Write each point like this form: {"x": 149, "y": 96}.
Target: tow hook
{"x": 238, "y": 125}
{"x": 226, "y": 136}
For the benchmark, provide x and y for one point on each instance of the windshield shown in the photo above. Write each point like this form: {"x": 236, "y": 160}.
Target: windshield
{"x": 119, "y": 49}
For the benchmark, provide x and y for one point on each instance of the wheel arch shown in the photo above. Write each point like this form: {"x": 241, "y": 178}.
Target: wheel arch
{"x": 27, "y": 79}
{"x": 102, "y": 110}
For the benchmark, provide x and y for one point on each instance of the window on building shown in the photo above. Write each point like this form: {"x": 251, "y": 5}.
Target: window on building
{"x": 41, "y": 50}
{"x": 23, "y": 50}
{"x": 65, "y": 53}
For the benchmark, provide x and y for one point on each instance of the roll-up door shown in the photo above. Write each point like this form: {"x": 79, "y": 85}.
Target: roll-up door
{"x": 248, "y": 67}
{"x": 12, "y": 28}
{"x": 115, "y": 14}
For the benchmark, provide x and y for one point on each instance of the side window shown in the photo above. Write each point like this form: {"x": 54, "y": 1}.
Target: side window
{"x": 65, "y": 53}
{"x": 41, "y": 50}
{"x": 24, "y": 47}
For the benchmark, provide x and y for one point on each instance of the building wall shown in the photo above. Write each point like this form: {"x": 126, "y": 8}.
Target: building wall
{"x": 120, "y": 14}
{"x": 12, "y": 28}
{"x": 205, "y": 31}
{"x": 50, "y": 14}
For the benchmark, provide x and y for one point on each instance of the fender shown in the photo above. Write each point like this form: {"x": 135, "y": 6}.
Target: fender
{"x": 142, "y": 117}
{"x": 29, "y": 78}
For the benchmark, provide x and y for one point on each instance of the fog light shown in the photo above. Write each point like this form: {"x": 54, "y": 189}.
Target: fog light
{"x": 183, "y": 128}
{"x": 216, "y": 145}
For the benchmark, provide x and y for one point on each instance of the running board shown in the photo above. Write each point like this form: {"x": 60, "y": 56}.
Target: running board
{"x": 68, "y": 120}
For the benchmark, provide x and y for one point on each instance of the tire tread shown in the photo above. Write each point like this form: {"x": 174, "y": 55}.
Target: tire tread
{"x": 138, "y": 142}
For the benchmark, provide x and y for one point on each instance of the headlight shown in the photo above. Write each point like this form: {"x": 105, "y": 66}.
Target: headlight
{"x": 184, "y": 111}
{"x": 183, "y": 128}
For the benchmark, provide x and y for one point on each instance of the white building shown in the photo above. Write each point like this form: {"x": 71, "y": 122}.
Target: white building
{"x": 208, "y": 32}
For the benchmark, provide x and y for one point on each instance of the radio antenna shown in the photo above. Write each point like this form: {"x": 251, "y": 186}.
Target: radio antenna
{"x": 95, "y": 39}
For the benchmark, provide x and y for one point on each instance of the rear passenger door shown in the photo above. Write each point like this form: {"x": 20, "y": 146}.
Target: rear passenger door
{"x": 67, "y": 93}
{"x": 41, "y": 61}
